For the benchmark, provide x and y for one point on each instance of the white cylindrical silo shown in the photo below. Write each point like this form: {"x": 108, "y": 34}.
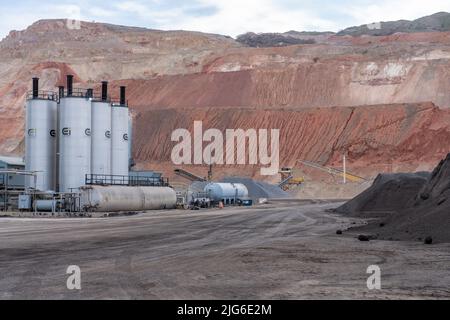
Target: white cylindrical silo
{"x": 101, "y": 138}
{"x": 41, "y": 141}
{"x": 120, "y": 137}
{"x": 74, "y": 142}
{"x": 119, "y": 141}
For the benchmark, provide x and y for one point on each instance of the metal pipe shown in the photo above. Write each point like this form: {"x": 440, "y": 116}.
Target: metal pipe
{"x": 69, "y": 85}
{"x": 19, "y": 172}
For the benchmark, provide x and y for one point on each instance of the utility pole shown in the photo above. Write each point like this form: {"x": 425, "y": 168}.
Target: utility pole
{"x": 345, "y": 168}
{"x": 210, "y": 170}
{"x": 210, "y": 173}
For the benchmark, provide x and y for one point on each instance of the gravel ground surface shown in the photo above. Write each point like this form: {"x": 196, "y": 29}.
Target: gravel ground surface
{"x": 280, "y": 251}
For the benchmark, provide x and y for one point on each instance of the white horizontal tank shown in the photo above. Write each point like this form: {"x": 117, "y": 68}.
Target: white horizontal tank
{"x": 122, "y": 198}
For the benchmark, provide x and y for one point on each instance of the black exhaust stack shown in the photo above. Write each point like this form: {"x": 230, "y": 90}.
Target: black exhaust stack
{"x": 61, "y": 92}
{"x": 104, "y": 90}
{"x": 35, "y": 88}
{"x": 123, "y": 99}
{"x": 69, "y": 85}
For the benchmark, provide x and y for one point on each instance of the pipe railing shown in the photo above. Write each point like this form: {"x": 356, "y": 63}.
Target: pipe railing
{"x": 99, "y": 98}
{"x": 116, "y": 103}
{"x": 134, "y": 181}
{"x": 42, "y": 95}
{"x": 77, "y": 93}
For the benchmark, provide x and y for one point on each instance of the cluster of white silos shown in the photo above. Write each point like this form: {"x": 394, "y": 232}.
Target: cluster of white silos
{"x": 77, "y": 135}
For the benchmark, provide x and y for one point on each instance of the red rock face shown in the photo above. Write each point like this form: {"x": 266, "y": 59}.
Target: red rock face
{"x": 362, "y": 96}
{"x": 383, "y": 138}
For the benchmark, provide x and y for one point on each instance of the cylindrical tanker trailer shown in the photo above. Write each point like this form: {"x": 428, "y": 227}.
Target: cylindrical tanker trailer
{"x": 228, "y": 193}
{"x": 122, "y": 198}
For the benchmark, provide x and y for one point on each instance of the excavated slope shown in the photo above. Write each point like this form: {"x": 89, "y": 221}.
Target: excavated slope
{"x": 383, "y": 138}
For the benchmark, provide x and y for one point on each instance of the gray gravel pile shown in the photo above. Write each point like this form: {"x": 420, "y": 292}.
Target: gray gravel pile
{"x": 198, "y": 186}
{"x": 259, "y": 189}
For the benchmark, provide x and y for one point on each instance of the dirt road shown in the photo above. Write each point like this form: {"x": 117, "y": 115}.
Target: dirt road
{"x": 284, "y": 251}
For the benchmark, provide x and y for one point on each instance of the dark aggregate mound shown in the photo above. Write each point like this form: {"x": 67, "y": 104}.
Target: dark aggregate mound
{"x": 389, "y": 193}
{"x": 425, "y": 217}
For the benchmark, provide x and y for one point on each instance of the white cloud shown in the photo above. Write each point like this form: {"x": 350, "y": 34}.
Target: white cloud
{"x": 161, "y": 17}
{"x": 388, "y": 10}
{"x": 102, "y": 12}
{"x": 234, "y": 17}
{"x": 19, "y": 18}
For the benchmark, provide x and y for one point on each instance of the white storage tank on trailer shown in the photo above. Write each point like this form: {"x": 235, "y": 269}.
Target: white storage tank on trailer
{"x": 228, "y": 193}
{"x": 120, "y": 139}
{"x": 101, "y": 133}
{"x": 122, "y": 198}
{"x": 74, "y": 138}
{"x": 40, "y": 138}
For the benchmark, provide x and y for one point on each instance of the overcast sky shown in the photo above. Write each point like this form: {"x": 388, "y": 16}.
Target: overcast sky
{"x": 229, "y": 17}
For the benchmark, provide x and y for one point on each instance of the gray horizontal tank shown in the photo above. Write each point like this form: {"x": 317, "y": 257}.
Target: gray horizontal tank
{"x": 47, "y": 205}
{"x": 118, "y": 198}
{"x": 226, "y": 191}
{"x": 40, "y": 138}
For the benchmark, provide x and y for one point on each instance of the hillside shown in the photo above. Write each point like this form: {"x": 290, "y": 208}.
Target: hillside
{"x": 437, "y": 22}
{"x": 383, "y": 99}
{"x": 261, "y": 40}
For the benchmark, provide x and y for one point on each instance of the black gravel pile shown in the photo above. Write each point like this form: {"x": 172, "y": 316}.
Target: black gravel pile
{"x": 425, "y": 217}
{"x": 389, "y": 193}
